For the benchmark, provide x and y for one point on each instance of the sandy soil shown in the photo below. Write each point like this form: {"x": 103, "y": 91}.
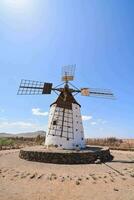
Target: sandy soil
{"x": 25, "y": 180}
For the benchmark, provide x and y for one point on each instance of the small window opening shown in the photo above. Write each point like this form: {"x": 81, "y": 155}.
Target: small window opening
{"x": 67, "y": 138}
{"x": 54, "y": 122}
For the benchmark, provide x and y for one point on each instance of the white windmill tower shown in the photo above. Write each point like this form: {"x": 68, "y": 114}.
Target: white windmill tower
{"x": 65, "y": 128}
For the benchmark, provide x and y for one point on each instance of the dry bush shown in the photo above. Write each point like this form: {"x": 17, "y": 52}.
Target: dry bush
{"x": 112, "y": 142}
{"x": 20, "y": 142}
{"x": 39, "y": 139}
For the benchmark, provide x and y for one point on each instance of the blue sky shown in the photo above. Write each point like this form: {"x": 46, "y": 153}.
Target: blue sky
{"x": 38, "y": 37}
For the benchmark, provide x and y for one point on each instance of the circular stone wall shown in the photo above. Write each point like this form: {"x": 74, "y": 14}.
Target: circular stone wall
{"x": 85, "y": 156}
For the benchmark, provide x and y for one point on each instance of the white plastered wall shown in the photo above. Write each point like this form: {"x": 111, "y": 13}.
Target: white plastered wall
{"x": 72, "y": 137}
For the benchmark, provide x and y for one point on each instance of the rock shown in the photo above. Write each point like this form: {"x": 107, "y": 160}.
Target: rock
{"x": 79, "y": 179}
{"x": 115, "y": 189}
{"x": 33, "y": 176}
{"x": 16, "y": 175}
{"x": 40, "y": 176}
{"x": 98, "y": 161}
{"x": 62, "y": 180}
{"x": 77, "y": 182}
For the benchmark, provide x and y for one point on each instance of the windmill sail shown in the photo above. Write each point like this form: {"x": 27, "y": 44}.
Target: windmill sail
{"x": 94, "y": 92}
{"x": 29, "y": 87}
{"x": 68, "y": 72}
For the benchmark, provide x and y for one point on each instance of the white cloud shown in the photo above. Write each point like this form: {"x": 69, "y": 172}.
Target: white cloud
{"x": 19, "y": 126}
{"x": 38, "y": 112}
{"x": 86, "y": 117}
{"x": 101, "y": 121}
{"x": 93, "y": 123}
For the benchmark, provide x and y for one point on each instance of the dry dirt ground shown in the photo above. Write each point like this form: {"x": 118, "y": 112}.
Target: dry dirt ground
{"x": 25, "y": 180}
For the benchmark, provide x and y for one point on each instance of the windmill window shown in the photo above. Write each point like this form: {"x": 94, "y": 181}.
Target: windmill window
{"x": 76, "y": 129}
{"x": 77, "y": 122}
{"x": 76, "y": 116}
{"x": 67, "y": 138}
{"x": 60, "y": 145}
{"x": 54, "y": 122}
{"x": 82, "y": 138}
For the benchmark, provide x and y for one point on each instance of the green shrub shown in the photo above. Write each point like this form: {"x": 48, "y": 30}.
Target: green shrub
{"x": 6, "y": 142}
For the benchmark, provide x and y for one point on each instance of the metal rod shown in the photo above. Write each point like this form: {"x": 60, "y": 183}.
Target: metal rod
{"x": 101, "y": 93}
{"x": 73, "y": 86}
{"x": 30, "y": 87}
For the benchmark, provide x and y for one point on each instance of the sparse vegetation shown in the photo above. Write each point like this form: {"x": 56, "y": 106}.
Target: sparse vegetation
{"x": 6, "y": 142}
{"x": 20, "y": 142}
{"x": 113, "y": 143}
{"x": 39, "y": 140}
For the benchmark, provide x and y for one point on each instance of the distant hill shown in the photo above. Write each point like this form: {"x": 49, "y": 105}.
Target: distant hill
{"x": 29, "y": 134}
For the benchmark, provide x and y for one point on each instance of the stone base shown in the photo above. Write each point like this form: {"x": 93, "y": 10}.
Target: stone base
{"x": 88, "y": 155}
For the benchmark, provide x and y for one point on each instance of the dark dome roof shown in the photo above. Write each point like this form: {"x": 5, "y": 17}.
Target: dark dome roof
{"x": 65, "y": 100}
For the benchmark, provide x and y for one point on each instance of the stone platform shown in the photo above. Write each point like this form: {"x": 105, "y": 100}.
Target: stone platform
{"x": 91, "y": 154}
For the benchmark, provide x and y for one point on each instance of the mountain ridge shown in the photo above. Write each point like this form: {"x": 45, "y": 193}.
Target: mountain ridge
{"x": 25, "y": 134}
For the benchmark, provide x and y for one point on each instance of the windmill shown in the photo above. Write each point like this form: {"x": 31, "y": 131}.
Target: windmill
{"x": 65, "y": 129}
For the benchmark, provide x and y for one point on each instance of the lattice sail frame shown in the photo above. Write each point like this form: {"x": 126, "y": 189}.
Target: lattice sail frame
{"x": 68, "y": 72}
{"x": 97, "y": 92}
{"x": 29, "y": 87}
